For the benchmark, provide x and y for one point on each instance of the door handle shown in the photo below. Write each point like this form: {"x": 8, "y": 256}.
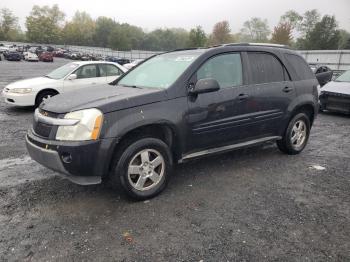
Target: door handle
{"x": 287, "y": 89}
{"x": 94, "y": 83}
{"x": 243, "y": 96}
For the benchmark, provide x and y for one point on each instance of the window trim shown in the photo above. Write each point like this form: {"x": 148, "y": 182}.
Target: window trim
{"x": 286, "y": 77}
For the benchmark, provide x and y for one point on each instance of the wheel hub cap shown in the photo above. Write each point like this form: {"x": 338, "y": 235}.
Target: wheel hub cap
{"x": 146, "y": 169}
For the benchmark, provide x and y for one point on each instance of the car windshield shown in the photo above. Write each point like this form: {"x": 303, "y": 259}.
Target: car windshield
{"x": 62, "y": 71}
{"x": 345, "y": 77}
{"x": 160, "y": 71}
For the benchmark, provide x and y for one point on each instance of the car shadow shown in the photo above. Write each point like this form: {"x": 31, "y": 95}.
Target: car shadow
{"x": 15, "y": 110}
{"x": 57, "y": 189}
{"x": 330, "y": 113}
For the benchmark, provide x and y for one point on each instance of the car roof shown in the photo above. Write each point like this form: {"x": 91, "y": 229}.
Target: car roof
{"x": 94, "y": 62}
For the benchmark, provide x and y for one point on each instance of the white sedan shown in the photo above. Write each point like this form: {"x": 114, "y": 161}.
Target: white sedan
{"x": 67, "y": 78}
{"x": 28, "y": 56}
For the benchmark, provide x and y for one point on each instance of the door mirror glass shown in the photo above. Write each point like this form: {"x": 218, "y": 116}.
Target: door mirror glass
{"x": 72, "y": 77}
{"x": 205, "y": 85}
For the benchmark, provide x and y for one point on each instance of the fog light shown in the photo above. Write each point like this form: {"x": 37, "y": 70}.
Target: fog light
{"x": 66, "y": 158}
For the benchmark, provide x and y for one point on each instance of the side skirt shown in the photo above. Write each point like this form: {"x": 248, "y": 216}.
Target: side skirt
{"x": 222, "y": 149}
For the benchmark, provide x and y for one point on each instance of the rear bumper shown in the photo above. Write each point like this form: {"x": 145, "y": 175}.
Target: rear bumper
{"x": 83, "y": 162}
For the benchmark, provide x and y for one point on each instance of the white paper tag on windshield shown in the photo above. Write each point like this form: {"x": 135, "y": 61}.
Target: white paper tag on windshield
{"x": 184, "y": 58}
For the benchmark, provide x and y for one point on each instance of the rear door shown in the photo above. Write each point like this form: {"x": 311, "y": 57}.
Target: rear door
{"x": 211, "y": 115}
{"x": 272, "y": 92}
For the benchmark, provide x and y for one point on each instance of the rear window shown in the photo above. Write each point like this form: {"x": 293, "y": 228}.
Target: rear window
{"x": 301, "y": 68}
{"x": 265, "y": 68}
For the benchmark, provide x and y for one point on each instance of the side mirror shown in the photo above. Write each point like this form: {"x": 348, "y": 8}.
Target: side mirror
{"x": 72, "y": 77}
{"x": 205, "y": 85}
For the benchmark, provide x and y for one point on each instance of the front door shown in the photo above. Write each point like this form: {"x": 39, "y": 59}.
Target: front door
{"x": 87, "y": 76}
{"x": 210, "y": 117}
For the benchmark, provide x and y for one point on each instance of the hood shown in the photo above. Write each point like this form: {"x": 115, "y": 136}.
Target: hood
{"x": 107, "y": 98}
{"x": 337, "y": 87}
{"x": 32, "y": 83}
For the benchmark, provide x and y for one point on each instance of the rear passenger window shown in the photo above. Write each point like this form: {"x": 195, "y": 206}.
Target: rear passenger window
{"x": 301, "y": 68}
{"x": 265, "y": 68}
{"x": 226, "y": 69}
{"x": 109, "y": 70}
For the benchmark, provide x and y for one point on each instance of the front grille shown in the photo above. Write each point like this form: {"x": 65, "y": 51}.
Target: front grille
{"x": 42, "y": 129}
{"x": 48, "y": 113}
{"x": 337, "y": 102}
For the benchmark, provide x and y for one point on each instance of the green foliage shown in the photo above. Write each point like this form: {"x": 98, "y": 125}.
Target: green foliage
{"x": 325, "y": 35}
{"x": 104, "y": 26}
{"x": 292, "y": 18}
{"x": 344, "y": 42}
{"x": 44, "y": 24}
{"x": 197, "y": 37}
{"x": 80, "y": 30}
{"x": 255, "y": 30}
{"x": 9, "y": 28}
{"x": 310, "y": 19}
{"x": 282, "y": 34}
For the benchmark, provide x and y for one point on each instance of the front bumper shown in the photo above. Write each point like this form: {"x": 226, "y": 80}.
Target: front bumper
{"x": 83, "y": 162}
{"x": 19, "y": 99}
{"x": 335, "y": 102}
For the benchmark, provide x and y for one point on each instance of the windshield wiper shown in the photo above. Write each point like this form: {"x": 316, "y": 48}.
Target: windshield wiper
{"x": 132, "y": 86}
{"x": 48, "y": 76}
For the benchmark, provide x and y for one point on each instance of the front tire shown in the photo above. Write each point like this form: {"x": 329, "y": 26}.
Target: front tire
{"x": 44, "y": 95}
{"x": 296, "y": 135}
{"x": 143, "y": 168}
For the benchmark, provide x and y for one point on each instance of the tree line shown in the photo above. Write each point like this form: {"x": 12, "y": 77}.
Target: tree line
{"x": 47, "y": 25}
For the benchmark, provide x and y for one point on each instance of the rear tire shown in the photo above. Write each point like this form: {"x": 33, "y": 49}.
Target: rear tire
{"x": 44, "y": 95}
{"x": 296, "y": 135}
{"x": 143, "y": 168}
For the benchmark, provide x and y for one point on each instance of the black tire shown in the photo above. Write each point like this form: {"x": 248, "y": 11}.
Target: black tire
{"x": 121, "y": 176}
{"x": 43, "y": 95}
{"x": 286, "y": 144}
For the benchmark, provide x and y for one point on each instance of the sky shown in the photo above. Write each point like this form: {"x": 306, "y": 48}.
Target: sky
{"x": 152, "y": 14}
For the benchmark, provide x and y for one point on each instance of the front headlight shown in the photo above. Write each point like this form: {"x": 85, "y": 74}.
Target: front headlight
{"x": 88, "y": 127}
{"x": 20, "y": 90}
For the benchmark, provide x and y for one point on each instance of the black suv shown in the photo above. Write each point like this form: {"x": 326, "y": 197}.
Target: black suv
{"x": 174, "y": 107}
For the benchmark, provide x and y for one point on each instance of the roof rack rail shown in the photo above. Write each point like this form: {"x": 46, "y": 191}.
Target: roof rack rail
{"x": 257, "y": 44}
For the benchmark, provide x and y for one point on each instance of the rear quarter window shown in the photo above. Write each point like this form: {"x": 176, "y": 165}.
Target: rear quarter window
{"x": 300, "y": 67}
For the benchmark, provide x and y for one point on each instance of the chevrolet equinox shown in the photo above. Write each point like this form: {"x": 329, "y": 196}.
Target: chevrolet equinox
{"x": 174, "y": 107}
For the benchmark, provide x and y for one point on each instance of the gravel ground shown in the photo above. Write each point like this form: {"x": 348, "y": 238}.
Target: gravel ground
{"x": 248, "y": 205}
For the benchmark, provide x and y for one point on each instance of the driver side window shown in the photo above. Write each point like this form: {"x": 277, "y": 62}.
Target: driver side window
{"x": 226, "y": 69}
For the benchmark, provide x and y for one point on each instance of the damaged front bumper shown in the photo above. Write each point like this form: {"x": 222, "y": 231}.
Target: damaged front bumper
{"x": 83, "y": 162}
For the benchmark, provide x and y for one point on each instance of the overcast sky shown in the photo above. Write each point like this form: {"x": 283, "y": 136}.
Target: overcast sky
{"x": 153, "y": 14}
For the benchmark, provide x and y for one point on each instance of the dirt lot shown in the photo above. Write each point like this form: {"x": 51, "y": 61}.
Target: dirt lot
{"x": 248, "y": 205}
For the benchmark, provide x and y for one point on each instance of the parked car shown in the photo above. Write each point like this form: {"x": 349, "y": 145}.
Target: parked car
{"x": 68, "y": 78}
{"x": 323, "y": 73}
{"x": 46, "y": 57}
{"x": 13, "y": 56}
{"x": 335, "y": 95}
{"x": 133, "y": 63}
{"x": 175, "y": 107}
{"x": 4, "y": 48}
{"x": 31, "y": 57}
{"x": 118, "y": 60}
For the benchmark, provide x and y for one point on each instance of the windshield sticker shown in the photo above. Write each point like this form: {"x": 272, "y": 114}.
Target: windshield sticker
{"x": 184, "y": 58}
